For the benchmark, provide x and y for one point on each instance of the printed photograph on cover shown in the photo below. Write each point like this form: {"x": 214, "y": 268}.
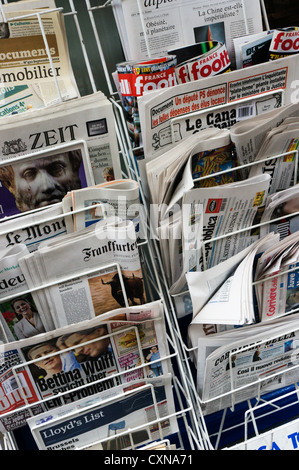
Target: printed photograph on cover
{"x": 211, "y": 32}
{"x": 22, "y": 317}
{"x": 39, "y": 181}
{"x": 66, "y": 370}
{"x": 107, "y": 292}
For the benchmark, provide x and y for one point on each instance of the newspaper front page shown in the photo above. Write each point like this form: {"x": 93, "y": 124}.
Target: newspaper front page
{"x": 34, "y": 73}
{"x": 121, "y": 346}
{"x": 158, "y": 108}
{"x": 108, "y": 414}
{"x": 260, "y": 362}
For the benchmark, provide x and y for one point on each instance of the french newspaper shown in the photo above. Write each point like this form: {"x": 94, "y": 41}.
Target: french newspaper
{"x": 158, "y": 108}
{"x": 80, "y": 360}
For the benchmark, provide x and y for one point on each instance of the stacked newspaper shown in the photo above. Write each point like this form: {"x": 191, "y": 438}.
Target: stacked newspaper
{"x": 248, "y": 136}
{"x": 252, "y": 49}
{"x": 79, "y": 361}
{"x": 281, "y": 213}
{"x": 86, "y": 273}
{"x": 117, "y": 198}
{"x": 159, "y": 109}
{"x": 277, "y": 279}
{"x": 19, "y": 316}
{"x": 48, "y": 152}
{"x": 108, "y": 417}
{"x": 238, "y": 365}
{"x": 281, "y": 141}
{"x": 35, "y": 64}
{"x": 152, "y": 28}
{"x": 226, "y": 295}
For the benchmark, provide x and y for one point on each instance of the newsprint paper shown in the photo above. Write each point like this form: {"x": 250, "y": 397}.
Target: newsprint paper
{"x": 158, "y": 108}
{"x": 239, "y": 365}
{"x": 169, "y": 24}
{"x": 121, "y": 346}
{"x": 87, "y": 124}
{"x": 34, "y": 73}
{"x": 92, "y": 272}
{"x": 109, "y": 414}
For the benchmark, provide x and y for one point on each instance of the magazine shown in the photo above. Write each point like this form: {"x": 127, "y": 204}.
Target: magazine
{"x": 83, "y": 359}
{"x": 106, "y": 418}
{"x": 104, "y": 274}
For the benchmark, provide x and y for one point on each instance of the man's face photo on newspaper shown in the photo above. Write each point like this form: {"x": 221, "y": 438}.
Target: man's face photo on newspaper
{"x": 37, "y": 183}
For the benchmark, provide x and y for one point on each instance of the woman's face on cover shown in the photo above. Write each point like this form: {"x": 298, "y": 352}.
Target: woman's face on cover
{"x": 92, "y": 349}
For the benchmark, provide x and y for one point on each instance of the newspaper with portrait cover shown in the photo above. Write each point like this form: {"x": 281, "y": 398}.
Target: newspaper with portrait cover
{"x": 238, "y": 365}
{"x": 168, "y": 25}
{"x": 84, "y": 126}
{"x": 117, "y": 198}
{"x": 35, "y": 66}
{"x": 80, "y": 360}
{"x": 158, "y": 108}
{"x": 92, "y": 271}
{"x": 20, "y": 317}
{"x": 108, "y": 416}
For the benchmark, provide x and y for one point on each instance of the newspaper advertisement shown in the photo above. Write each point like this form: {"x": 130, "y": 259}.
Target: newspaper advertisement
{"x": 105, "y": 273}
{"x": 87, "y": 123}
{"x": 158, "y": 109}
{"x": 163, "y": 25}
{"x": 261, "y": 361}
{"x": 147, "y": 403}
{"x": 89, "y": 357}
{"x": 34, "y": 73}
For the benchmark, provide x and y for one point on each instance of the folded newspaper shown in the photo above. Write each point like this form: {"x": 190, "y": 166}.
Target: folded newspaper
{"x": 158, "y": 109}
{"x": 247, "y": 362}
{"x": 35, "y": 66}
{"x": 88, "y": 272}
{"x": 151, "y": 28}
{"x": 78, "y": 361}
{"x": 19, "y": 316}
{"x": 117, "y": 198}
{"x": 108, "y": 417}
{"x": 36, "y": 169}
